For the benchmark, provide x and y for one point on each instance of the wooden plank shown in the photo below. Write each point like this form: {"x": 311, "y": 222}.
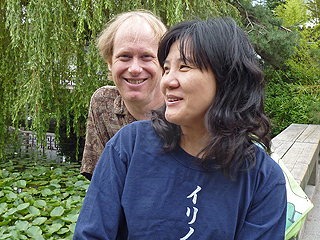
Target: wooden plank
{"x": 299, "y": 172}
{"x": 291, "y": 133}
{"x": 296, "y": 154}
{"x": 311, "y": 134}
{"x": 301, "y": 159}
{"x": 299, "y": 147}
{"x": 280, "y": 147}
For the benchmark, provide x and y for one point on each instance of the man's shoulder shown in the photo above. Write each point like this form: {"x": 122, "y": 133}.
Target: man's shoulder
{"x": 105, "y": 92}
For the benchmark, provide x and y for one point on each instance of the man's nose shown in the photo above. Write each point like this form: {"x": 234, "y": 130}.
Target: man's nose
{"x": 135, "y": 66}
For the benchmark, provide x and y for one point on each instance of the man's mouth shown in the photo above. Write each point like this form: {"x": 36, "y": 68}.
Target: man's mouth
{"x": 135, "y": 81}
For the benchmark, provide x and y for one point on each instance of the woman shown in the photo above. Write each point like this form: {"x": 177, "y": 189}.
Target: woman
{"x": 194, "y": 170}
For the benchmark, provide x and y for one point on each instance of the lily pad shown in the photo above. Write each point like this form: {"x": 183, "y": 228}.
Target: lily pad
{"x": 39, "y": 220}
{"x": 57, "y": 211}
{"x": 22, "y": 225}
{"x": 34, "y": 211}
{"x": 23, "y": 206}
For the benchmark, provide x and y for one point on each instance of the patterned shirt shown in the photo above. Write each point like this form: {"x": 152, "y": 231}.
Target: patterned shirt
{"x": 107, "y": 115}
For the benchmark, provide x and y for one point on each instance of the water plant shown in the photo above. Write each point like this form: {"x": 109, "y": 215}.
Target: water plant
{"x": 39, "y": 200}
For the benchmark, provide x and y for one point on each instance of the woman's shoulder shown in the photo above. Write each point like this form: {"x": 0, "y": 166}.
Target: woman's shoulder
{"x": 134, "y": 131}
{"x": 268, "y": 169}
{"x": 137, "y": 126}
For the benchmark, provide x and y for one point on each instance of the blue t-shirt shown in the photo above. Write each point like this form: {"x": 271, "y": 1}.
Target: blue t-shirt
{"x": 140, "y": 192}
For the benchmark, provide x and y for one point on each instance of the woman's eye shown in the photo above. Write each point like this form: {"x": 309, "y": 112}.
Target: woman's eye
{"x": 166, "y": 70}
{"x": 184, "y": 67}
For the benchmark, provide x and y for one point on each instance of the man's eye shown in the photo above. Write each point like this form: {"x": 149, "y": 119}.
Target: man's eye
{"x": 124, "y": 57}
{"x": 147, "y": 57}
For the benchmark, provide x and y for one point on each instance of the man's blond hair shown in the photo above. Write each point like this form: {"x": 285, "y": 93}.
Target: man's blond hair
{"x": 105, "y": 41}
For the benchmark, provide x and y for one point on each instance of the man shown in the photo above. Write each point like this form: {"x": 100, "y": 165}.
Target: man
{"x": 129, "y": 45}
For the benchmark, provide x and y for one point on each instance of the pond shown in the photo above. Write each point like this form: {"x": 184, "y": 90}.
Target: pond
{"x": 39, "y": 199}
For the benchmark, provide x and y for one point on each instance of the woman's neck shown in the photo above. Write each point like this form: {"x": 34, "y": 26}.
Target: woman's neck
{"x": 193, "y": 142}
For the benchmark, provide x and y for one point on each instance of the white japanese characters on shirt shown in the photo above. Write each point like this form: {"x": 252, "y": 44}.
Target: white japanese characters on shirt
{"x": 194, "y": 209}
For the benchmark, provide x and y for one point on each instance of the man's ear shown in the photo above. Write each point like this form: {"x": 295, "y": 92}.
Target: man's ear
{"x": 109, "y": 70}
{"x": 109, "y": 65}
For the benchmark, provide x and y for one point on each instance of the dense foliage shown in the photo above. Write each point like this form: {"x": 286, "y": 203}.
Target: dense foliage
{"x": 49, "y": 62}
{"x": 293, "y": 91}
{"x": 50, "y": 66}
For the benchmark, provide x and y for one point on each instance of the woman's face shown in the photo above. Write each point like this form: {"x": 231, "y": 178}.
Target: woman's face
{"x": 188, "y": 90}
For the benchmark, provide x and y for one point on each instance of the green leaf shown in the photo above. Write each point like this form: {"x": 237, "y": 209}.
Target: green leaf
{"x": 4, "y": 223}
{"x": 46, "y": 192}
{"x": 71, "y": 218}
{"x": 55, "y": 227}
{"x": 57, "y": 171}
{"x": 8, "y": 188}
{"x": 4, "y": 173}
{"x": 21, "y": 225}
{"x": 54, "y": 185}
{"x": 21, "y": 183}
{"x": 3, "y": 207}
{"x": 34, "y": 211}
{"x": 55, "y": 181}
{"x": 5, "y": 236}
{"x": 11, "y": 196}
{"x": 57, "y": 211}
{"x": 39, "y": 203}
{"x": 34, "y": 232}
{"x": 63, "y": 231}
{"x": 72, "y": 226}
{"x": 79, "y": 183}
{"x": 27, "y": 217}
{"x": 39, "y": 220}
{"x": 23, "y": 206}
{"x": 9, "y": 212}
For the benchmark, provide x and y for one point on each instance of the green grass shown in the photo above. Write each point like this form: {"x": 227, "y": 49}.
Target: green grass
{"x": 39, "y": 200}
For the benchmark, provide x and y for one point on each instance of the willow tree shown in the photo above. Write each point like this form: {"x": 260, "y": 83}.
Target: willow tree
{"x": 46, "y": 46}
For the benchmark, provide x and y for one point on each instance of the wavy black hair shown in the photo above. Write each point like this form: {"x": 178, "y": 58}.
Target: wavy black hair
{"x": 236, "y": 119}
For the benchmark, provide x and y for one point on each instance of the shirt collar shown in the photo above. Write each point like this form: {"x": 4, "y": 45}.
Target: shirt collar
{"x": 119, "y": 107}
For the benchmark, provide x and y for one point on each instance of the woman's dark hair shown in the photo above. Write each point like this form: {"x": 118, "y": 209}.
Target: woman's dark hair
{"x": 236, "y": 119}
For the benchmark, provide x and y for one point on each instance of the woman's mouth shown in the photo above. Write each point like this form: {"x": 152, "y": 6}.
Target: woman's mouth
{"x": 173, "y": 99}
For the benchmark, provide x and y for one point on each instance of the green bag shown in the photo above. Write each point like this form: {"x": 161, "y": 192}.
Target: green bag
{"x": 298, "y": 203}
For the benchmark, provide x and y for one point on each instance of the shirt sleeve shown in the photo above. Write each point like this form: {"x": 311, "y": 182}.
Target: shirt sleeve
{"x": 101, "y": 216}
{"x": 266, "y": 218}
{"x": 96, "y": 137}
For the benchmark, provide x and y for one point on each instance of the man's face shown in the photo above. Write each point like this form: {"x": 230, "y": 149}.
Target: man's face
{"x": 134, "y": 65}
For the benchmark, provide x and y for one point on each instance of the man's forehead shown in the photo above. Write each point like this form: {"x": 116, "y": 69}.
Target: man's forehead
{"x": 135, "y": 29}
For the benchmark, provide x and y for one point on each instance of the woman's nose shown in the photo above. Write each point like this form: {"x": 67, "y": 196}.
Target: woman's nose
{"x": 170, "y": 81}
{"x": 135, "y": 67}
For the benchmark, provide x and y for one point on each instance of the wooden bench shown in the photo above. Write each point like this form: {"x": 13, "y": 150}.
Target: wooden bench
{"x": 298, "y": 146}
